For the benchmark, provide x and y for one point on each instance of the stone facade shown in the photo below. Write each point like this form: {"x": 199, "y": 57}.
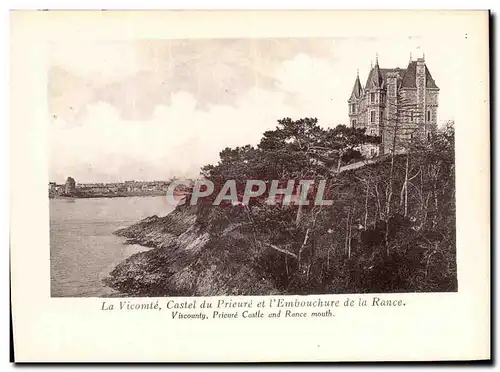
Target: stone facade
{"x": 395, "y": 99}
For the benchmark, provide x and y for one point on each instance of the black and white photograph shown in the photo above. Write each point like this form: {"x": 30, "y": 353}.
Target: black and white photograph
{"x": 188, "y": 184}
{"x": 252, "y": 166}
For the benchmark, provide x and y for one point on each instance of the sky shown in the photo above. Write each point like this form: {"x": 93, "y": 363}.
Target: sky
{"x": 155, "y": 109}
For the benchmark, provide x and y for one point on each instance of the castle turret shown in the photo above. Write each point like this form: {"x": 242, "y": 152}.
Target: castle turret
{"x": 354, "y": 107}
{"x": 376, "y": 77}
{"x": 374, "y": 100}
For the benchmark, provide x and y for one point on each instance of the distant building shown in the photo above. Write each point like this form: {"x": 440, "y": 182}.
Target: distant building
{"x": 98, "y": 189}
{"x": 70, "y": 186}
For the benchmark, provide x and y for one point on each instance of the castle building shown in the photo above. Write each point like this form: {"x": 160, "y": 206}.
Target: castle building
{"x": 395, "y": 99}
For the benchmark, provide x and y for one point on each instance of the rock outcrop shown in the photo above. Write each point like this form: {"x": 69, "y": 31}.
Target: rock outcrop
{"x": 70, "y": 186}
{"x": 186, "y": 259}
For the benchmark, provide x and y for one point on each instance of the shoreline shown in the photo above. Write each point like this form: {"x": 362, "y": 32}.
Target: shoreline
{"x": 103, "y": 196}
{"x": 185, "y": 259}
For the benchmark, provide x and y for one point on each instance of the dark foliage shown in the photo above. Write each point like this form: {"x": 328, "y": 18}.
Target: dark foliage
{"x": 391, "y": 227}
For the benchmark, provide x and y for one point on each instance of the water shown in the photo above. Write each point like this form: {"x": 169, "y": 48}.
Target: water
{"x": 83, "y": 249}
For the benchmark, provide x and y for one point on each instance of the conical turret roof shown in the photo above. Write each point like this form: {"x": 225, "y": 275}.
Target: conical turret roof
{"x": 375, "y": 79}
{"x": 356, "y": 89}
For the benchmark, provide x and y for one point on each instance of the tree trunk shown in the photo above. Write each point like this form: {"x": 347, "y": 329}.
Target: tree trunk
{"x": 379, "y": 207}
{"x": 434, "y": 217}
{"x": 304, "y": 243}
{"x": 347, "y": 232}
{"x": 389, "y": 195}
{"x": 402, "y": 195}
{"x": 366, "y": 204}
{"x": 406, "y": 183}
{"x": 391, "y": 176}
{"x": 391, "y": 173}
{"x": 339, "y": 163}
{"x": 298, "y": 218}
{"x": 422, "y": 192}
{"x": 350, "y": 237}
{"x": 426, "y": 209}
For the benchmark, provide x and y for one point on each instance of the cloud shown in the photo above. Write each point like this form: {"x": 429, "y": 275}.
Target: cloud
{"x": 162, "y": 116}
{"x": 138, "y": 76}
{"x": 108, "y": 61}
{"x": 178, "y": 140}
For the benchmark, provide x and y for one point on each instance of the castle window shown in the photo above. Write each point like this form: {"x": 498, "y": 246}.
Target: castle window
{"x": 372, "y": 97}
{"x": 353, "y": 108}
{"x": 411, "y": 116}
{"x": 429, "y": 115}
{"x": 372, "y": 117}
{"x": 354, "y": 123}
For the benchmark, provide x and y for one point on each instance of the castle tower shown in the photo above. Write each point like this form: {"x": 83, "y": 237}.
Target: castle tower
{"x": 374, "y": 104}
{"x": 70, "y": 186}
{"x": 354, "y": 106}
{"x": 427, "y": 91}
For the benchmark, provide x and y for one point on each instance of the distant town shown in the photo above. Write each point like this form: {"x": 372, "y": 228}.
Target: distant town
{"x": 72, "y": 189}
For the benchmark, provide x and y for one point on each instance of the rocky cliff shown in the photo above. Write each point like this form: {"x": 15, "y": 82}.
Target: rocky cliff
{"x": 187, "y": 259}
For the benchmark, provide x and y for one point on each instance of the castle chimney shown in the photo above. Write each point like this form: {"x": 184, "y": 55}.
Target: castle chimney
{"x": 421, "y": 83}
{"x": 392, "y": 102}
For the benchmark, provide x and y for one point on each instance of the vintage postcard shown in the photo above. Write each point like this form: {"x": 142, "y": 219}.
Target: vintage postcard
{"x": 219, "y": 186}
